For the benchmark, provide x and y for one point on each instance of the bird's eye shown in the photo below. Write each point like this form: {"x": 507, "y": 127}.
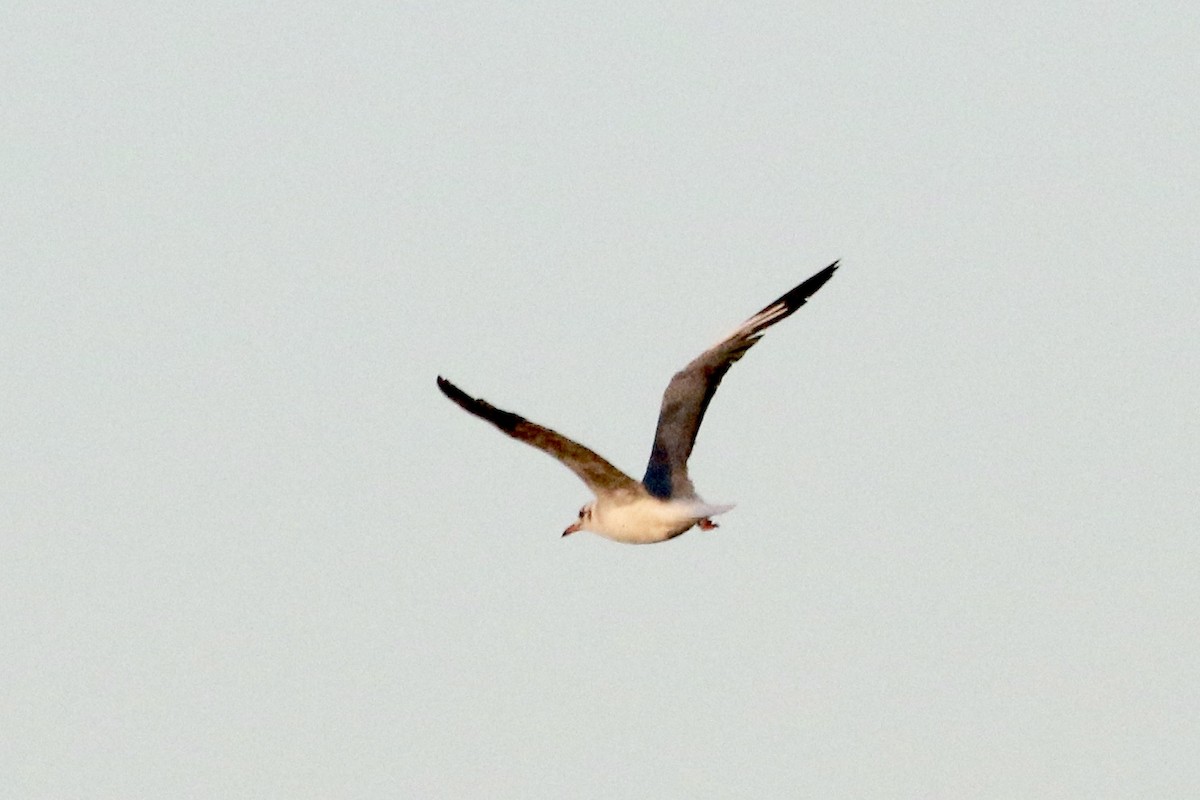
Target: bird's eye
{"x": 582, "y": 511}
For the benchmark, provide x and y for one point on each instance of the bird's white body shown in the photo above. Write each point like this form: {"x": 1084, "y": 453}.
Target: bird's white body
{"x": 646, "y": 519}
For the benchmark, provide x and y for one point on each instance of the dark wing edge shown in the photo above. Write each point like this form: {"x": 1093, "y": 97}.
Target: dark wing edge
{"x": 599, "y": 475}
{"x": 687, "y": 396}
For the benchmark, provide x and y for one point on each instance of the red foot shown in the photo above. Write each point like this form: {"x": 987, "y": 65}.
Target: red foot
{"x": 707, "y": 524}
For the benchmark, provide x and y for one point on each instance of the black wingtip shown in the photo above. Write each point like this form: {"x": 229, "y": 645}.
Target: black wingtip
{"x": 504, "y": 420}
{"x": 453, "y": 392}
{"x": 818, "y": 280}
{"x": 800, "y": 294}
{"x": 826, "y": 274}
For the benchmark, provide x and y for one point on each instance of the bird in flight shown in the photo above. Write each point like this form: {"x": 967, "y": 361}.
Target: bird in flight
{"x": 664, "y": 504}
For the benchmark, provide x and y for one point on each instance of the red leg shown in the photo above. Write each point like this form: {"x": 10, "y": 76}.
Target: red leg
{"x": 707, "y": 524}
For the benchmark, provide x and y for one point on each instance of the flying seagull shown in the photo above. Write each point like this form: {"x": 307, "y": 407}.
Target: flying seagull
{"x": 664, "y": 504}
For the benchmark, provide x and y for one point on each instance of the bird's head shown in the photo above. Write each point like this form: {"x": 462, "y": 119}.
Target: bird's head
{"x": 584, "y": 521}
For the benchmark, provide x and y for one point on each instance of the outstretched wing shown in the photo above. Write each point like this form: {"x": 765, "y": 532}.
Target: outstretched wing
{"x": 689, "y": 392}
{"x": 599, "y": 475}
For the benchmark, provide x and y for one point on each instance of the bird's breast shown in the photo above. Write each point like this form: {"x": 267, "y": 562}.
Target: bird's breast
{"x": 646, "y": 520}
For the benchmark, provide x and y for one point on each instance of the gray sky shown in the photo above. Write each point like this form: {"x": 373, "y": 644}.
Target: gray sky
{"x": 248, "y": 550}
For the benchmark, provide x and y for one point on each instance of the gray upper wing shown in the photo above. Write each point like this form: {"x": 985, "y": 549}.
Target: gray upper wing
{"x": 599, "y": 475}
{"x": 692, "y": 388}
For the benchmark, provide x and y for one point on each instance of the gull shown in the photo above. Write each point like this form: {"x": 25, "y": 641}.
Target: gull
{"x": 664, "y": 504}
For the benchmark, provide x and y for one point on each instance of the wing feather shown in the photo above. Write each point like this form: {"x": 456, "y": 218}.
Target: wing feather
{"x": 599, "y": 475}
{"x": 691, "y": 389}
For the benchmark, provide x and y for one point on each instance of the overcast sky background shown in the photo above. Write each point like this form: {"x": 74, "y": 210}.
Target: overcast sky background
{"x": 248, "y": 550}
